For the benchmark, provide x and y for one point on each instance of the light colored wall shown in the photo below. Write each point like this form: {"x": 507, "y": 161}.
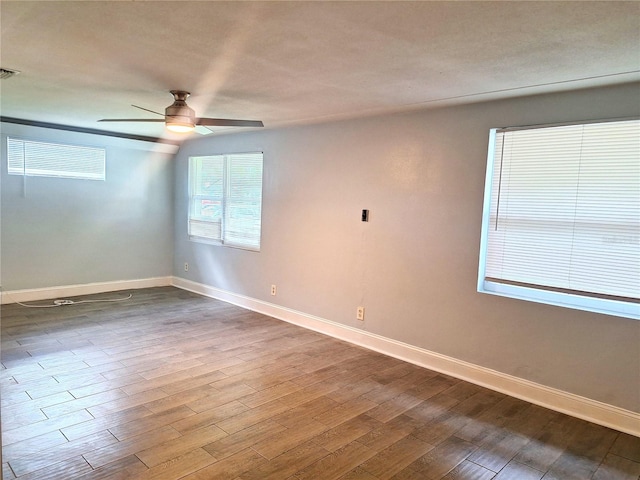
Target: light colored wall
{"x": 414, "y": 265}
{"x": 69, "y": 232}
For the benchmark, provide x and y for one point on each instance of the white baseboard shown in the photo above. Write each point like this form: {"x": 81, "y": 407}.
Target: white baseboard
{"x": 35, "y": 294}
{"x": 575, "y": 405}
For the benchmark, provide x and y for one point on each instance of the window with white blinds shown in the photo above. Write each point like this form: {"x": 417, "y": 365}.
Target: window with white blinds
{"x": 225, "y": 199}
{"x": 31, "y": 158}
{"x": 562, "y": 216}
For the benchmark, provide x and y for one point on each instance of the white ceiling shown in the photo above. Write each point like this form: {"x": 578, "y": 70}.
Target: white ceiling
{"x": 301, "y": 62}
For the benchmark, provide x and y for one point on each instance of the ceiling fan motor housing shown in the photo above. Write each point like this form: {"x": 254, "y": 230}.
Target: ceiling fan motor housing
{"x": 179, "y": 112}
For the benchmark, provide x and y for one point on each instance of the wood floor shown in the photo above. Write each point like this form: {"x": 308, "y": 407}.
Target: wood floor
{"x": 171, "y": 385}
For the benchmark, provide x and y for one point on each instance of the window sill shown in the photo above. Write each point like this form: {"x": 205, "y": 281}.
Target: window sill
{"x": 567, "y": 300}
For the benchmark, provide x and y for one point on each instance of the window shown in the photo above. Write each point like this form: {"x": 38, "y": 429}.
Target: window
{"x": 31, "y": 158}
{"x": 561, "y": 218}
{"x": 225, "y": 199}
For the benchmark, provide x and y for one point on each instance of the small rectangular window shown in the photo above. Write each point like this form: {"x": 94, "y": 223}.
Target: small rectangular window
{"x": 30, "y": 158}
{"x": 562, "y": 216}
{"x": 225, "y": 199}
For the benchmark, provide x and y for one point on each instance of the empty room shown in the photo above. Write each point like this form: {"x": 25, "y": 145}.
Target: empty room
{"x": 320, "y": 240}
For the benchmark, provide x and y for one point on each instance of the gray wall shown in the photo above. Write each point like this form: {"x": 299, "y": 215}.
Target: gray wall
{"x": 414, "y": 265}
{"x": 68, "y": 231}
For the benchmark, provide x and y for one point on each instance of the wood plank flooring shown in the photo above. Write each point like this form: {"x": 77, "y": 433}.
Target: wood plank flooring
{"x": 171, "y": 385}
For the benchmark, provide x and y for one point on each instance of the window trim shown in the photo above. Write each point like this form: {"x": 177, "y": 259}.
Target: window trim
{"x": 596, "y": 304}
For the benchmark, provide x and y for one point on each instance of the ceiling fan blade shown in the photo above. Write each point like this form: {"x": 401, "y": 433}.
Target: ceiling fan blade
{"x": 223, "y": 122}
{"x": 202, "y": 130}
{"x": 147, "y": 110}
{"x": 131, "y": 120}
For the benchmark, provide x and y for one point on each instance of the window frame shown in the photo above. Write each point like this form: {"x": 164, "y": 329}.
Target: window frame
{"x": 225, "y": 200}
{"x": 598, "y": 304}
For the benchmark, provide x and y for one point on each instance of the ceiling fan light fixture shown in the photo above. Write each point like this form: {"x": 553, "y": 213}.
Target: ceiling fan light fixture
{"x": 180, "y": 127}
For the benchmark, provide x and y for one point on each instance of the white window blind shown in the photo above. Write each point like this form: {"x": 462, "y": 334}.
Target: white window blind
{"x": 225, "y": 199}
{"x": 563, "y": 215}
{"x": 31, "y": 158}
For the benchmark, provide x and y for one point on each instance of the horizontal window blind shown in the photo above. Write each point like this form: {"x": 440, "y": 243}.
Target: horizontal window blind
{"x": 225, "y": 199}
{"x": 564, "y": 210}
{"x": 31, "y": 158}
{"x": 243, "y": 212}
{"x": 206, "y": 197}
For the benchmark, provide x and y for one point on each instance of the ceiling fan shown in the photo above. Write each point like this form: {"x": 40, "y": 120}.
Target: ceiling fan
{"x": 179, "y": 117}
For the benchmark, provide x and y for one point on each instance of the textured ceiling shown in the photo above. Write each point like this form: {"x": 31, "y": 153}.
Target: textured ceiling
{"x": 301, "y": 62}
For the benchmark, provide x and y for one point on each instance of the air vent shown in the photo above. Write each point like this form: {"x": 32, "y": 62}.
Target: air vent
{"x": 5, "y": 73}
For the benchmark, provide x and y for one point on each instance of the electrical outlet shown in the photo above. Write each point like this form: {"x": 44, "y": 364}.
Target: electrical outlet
{"x": 360, "y": 313}
{"x": 273, "y": 290}
{"x": 186, "y": 267}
